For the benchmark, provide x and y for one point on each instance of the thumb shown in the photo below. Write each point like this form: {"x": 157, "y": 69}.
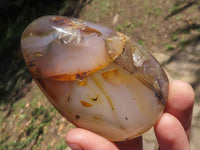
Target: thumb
{"x": 81, "y": 139}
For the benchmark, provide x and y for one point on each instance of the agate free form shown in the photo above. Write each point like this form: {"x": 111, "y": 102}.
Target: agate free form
{"x": 97, "y": 78}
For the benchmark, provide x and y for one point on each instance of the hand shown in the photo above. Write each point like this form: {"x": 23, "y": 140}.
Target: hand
{"x": 172, "y": 130}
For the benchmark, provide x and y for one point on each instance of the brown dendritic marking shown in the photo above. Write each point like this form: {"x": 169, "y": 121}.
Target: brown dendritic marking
{"x": 123, "y": 50}
{"x": 81, "y": 76}
{"x": 95, "y": 99}
{"x": 68, "y": 99}
{"x": 95, "y": 117}
{"x": 131, "y": 72}
{"x": 77, "y": 117}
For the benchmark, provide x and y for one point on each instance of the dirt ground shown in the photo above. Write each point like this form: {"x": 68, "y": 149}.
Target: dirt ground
{"x": 169, "y": 29}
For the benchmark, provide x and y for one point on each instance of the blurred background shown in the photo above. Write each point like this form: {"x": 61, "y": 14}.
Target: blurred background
{"x": 169, "y": 29}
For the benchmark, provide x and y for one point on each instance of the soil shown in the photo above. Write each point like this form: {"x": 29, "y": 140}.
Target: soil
{"x": 169, "y": 29}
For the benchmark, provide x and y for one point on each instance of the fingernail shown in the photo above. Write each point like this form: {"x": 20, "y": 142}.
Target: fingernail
{"x": 74, "y": 146}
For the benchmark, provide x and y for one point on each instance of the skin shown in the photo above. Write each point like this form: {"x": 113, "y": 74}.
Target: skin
{"x": 172, "y": 130}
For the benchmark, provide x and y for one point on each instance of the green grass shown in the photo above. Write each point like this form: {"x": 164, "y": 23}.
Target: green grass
{"x": 170, "y": 47}
{"x": 129, "y": 25}
{"x": 100, "y": 10}
{"x": 179, "y": 18}
{"x": 154, "y": 27}
{"x": 40, "y": 117}
{"x": 173, "y": 8}
{"x": 157, "y": 11}
{"x": 140, "y": 42}
{"x": 174, "y": 37}
{"x": 61, "y": 145}
{"x": 152, "y": 10}
{"x": 37, "y": 114}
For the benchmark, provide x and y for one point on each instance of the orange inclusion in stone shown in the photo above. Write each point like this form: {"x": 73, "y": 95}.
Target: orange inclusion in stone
{"x": 83, "y": 82}
{"x": 86, "y": 104}
{"x": 113, "y": 77}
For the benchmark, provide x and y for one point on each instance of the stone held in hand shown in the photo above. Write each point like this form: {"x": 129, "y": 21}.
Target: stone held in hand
{"x": 97, "y": 78}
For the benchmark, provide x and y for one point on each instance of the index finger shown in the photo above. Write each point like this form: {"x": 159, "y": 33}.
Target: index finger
{"x": 180, "y": 103}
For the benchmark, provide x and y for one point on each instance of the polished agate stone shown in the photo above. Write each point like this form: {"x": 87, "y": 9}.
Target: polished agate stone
{"x": 97, "y": 78}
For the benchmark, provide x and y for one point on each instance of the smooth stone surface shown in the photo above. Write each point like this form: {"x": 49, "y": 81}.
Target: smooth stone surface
{"x": 95, "y": 77}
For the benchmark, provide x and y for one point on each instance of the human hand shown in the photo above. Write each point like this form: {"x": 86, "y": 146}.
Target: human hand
{"x": 172, "y": 130}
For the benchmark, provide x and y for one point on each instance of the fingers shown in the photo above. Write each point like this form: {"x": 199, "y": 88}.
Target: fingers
{"x": 180, "y": 103}
{"x": 170, "y": 133}
{"x": 173, "y": 127}
{"x": 81, "y": 139}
